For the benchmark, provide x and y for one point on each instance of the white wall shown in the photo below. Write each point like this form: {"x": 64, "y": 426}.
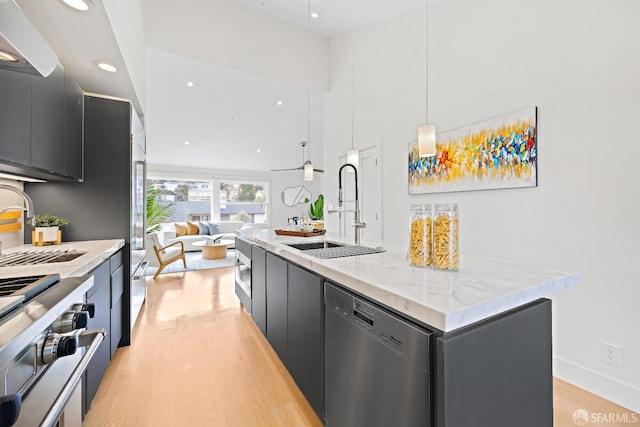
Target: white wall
{"x": 578, "y": 61}
{"x": 278, "y": 180}
{"x": 126, "y": 18}
{"x": 234, "y": 36}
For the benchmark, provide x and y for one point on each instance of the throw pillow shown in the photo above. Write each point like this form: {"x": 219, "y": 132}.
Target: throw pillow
{"x": 213, "y": 228}
{"x": 192, "y": 229}
{"x": 203, "y": 228}
{"x": 181, "y": 230}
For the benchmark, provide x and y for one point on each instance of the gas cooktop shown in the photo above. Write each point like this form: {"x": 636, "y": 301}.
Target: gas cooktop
{"x": 17, "y": 290}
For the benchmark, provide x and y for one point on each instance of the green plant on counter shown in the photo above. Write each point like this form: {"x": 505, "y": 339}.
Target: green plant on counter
{"x": 49, "y": 220}
{"x": 157, "y": 212}
{"x": 316, "y": 209}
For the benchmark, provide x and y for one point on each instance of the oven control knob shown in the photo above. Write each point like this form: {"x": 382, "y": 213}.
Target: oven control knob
{"x": 70, "y": 321}
{"x": 56, "y": 346}
{"x": 10, "y": 409}
{"x": 88, "y": 307}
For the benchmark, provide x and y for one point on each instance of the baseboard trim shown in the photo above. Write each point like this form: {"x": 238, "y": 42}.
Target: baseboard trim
{"x": 619, "y": 392}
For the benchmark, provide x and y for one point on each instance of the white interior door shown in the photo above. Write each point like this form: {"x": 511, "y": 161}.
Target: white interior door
{"x": 370, "y": 177}
{"x": 369, "y": 195}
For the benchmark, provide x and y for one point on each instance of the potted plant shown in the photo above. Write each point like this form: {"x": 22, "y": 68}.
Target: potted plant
{"x": 47, "y": 227}
{"x": 316, "y": 212}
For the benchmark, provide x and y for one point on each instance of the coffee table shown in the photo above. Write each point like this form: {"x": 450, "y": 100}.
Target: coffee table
{"x": 212, "y": 250}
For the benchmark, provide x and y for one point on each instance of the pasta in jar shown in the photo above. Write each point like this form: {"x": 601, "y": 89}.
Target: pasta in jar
{"x": 445, "y": 237}
{"x": 421, "y": 236}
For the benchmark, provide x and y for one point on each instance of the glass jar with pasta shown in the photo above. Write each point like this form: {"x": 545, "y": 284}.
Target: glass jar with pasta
{"x": 445, "y": 237}
{"x": 421, "y": 237}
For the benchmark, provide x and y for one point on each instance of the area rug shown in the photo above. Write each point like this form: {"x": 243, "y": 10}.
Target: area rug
{"x": 195, "y": 262}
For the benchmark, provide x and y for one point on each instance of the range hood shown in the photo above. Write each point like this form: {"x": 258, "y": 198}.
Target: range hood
{"x": 21, "y": 45}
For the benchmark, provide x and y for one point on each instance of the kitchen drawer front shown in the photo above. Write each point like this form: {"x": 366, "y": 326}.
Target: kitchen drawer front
{"x": 115, "y": 261}
{"x": 100, "y": 274}
{"x": 117, "y": 286}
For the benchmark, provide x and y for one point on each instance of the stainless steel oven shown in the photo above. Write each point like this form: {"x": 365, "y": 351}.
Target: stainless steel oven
{"x": 44, "y": 349}
{"x": 243, "y": 272}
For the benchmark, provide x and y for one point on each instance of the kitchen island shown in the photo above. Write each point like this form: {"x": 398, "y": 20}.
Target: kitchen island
{"x": 487, "y": 352}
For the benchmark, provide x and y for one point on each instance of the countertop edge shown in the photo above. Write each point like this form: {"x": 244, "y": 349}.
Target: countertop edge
{"x": 445, "y": 321}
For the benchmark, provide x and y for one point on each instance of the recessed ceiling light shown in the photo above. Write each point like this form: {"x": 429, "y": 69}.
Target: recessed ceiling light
{"x": 258, "y": 150}
{"x": 190, "y": 84}
{"x": 77, "y": 4}
{"x": 187, "y": 143}
{"x": 8, "y": 57}
{"x": 314, "y": 15}
{"x": 105, "y": 66}
{"x": 279, "y": 103}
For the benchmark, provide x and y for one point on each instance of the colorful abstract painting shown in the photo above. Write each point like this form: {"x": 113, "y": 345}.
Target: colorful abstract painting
{"x": 497, "y": 153}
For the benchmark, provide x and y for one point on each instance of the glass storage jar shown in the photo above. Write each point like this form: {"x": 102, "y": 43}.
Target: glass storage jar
{"x": 445, "y": 237}
{"x": 421, "y": 236}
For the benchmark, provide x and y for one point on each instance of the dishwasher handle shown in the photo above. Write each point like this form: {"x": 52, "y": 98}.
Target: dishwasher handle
{"x": 363, "y": 311}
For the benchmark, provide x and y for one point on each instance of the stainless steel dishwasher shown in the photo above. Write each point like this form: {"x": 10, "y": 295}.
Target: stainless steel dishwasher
{"x": 377, "y": 366}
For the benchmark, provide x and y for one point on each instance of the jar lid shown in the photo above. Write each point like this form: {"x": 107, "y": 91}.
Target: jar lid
{"x": 447, "y": 207}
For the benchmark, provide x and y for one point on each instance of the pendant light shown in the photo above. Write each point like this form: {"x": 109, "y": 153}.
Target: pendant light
{"x": 308, "y": 166}
{"x": 427, "y": 133}
{"x": 353, "y": 155}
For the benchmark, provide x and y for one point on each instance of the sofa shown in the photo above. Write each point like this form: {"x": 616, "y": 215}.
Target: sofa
{"x": 226, "y": 228}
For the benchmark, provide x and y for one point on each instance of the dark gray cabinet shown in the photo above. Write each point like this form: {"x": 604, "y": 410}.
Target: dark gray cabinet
{"x": 259, "y": 288}
{"x": 117, "y": 288}
{"x": 491, "y": 372}
{"x": 100, "y": 296}
{"x": 15, "y": 117}
{"x": 41, "y": 125}
{"x": 47, "y": 121}
{"x": 277, "y": 305}
{"x": 294, "y": 319}
{"x": 106, "y": 294}
{"x": 73, "y": 139}
{"x": 305, "y": 322}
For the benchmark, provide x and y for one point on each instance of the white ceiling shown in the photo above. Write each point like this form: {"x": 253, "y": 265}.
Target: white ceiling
{"x": 229, "y": 113}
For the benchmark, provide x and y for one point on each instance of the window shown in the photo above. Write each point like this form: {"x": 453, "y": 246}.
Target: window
{"x": 217, "y": 200}
{"x": 244, "y": 201}
{"x": 191, "y": 199}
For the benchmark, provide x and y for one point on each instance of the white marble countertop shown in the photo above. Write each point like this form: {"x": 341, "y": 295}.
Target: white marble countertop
{"x": 96, "y": 252}
{"x": 483, "y": 287}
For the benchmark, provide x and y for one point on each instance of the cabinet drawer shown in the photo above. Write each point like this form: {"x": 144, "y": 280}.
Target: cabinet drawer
{"x": 115, "y": 261}
{"x": 117, "y": 286}
{"x": 100, "y": 275}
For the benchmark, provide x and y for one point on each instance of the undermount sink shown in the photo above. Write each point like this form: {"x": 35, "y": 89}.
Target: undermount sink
{"x": 38, "y": 257}
{"x": 314, "y": 245}
{"x": 328, "y": 250}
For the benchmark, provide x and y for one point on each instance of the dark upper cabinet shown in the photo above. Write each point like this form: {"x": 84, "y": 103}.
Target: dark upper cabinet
{"x": 73, "y": 139}
{"x": 41, "y": 125}
{"x": 47, "y": 121}
{"x": 15, "y": 113}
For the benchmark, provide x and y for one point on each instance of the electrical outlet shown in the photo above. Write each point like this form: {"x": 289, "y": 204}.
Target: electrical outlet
{"x": 610, "y": 354}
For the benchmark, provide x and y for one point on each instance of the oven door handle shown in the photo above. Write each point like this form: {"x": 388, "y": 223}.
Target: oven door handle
{"x": 92, "y": 338}
{"x": 242, "y": 258}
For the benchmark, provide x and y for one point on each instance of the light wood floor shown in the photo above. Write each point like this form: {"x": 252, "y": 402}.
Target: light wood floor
{"x": 197, "y": 359}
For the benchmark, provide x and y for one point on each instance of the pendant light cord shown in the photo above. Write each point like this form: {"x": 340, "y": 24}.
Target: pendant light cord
{"x": 426, "y": 95}
{"x": 308, "y": 88}
{"x": 353, "y": 73}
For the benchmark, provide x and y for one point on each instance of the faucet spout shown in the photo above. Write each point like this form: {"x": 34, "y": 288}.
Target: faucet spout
{"x": 356, "y": 213}
{"x": 29, "y": 208}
